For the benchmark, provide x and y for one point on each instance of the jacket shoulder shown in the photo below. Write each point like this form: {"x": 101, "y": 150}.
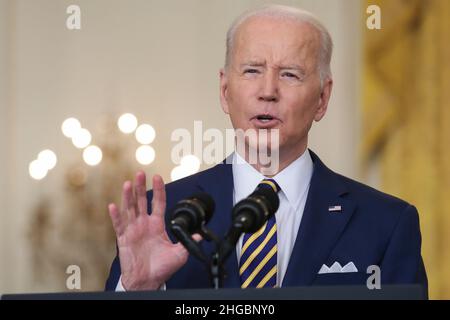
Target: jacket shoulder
{"x": 382, "y": 205}
{"x": 187, "y": 186}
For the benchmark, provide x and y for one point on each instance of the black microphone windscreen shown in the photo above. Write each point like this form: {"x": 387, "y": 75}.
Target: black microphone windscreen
{"x": 207, "y": 202}
{"x": 271, "y": 196}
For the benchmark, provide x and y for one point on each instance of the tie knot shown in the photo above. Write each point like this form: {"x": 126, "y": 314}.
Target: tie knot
{"x": 270, "y": 183}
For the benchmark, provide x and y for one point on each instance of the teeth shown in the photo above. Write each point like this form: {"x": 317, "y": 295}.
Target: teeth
{"x": 265, "y": 118}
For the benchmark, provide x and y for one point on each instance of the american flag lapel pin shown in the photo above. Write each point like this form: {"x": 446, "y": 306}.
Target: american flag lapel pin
{"x": 334, "y": 208}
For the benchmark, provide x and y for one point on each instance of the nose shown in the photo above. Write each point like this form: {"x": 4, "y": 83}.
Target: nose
{"x": 269, "y": 87}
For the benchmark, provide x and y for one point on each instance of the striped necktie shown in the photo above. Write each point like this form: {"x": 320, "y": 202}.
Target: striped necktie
{"x": 258, "y": 262}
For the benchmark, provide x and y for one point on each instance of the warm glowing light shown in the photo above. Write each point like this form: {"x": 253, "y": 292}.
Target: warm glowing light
{"x": 178, "y": 173}
{"x": 82, "y": 138}
{"x": 145, "y": 155}
{"x": 92, "y": 155}
{"x": 190, "y": 163}
{"x": 145, "y": 134}
{"x": 127, "y": 123}
{"x": 47, "y": 158}
{"x": 37, "y": 170}
{"x": 70, "y": 127}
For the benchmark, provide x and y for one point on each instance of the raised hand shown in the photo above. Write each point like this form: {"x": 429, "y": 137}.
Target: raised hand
{"x": 147, "y": 256}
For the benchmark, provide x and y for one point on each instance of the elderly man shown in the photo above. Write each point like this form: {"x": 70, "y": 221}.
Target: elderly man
{"x": 328, "y": 229}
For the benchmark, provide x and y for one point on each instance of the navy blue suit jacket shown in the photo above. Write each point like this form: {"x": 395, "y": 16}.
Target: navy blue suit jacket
{"x": 372, "y": 228}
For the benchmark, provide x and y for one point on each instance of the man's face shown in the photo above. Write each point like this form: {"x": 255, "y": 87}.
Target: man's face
{"x": 272, "y": 81}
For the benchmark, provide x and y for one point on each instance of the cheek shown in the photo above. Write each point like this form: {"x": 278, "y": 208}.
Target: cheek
{"x": 239, "y": 97}
{"x": 244, "y": 88}
{"x": 300, "y": 113}
{"x": 303, "y": 103}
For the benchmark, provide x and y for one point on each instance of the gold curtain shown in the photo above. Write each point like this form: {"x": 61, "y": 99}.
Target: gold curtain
{"x": 406, "y": 119}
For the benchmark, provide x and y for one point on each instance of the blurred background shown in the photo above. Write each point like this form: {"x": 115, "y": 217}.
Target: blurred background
{"x": 388, "y": 123}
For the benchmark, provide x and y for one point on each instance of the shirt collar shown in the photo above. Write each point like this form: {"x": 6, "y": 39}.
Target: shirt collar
{"x": 293, "y": 180}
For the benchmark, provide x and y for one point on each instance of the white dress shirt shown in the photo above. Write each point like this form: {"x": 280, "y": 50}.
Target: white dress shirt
{"x": 294, "y": 182}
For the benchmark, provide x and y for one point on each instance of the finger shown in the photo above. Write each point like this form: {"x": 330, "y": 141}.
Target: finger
{"x": 197, "y": 237}
{"x": 141, "y": 193}
{"x": 159, "y": 196}
{"x": 116, "y": 219}
{"x": 128, "y": 201}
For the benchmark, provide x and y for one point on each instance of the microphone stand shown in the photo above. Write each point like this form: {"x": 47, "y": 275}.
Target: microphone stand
{"x": 223, "y": 249}
{"x": 216, "y": 271}
{"x": 215, "y": 267}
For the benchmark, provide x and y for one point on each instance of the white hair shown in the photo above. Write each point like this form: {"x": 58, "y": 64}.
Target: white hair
{"x": 279, "y": 11}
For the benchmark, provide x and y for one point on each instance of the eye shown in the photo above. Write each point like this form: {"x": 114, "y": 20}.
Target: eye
{"x": 252, "y": 70}
{"x": 289, "y": 75}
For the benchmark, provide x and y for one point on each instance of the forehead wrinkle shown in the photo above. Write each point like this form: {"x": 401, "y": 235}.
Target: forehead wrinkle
{"x": 276, "y": 63}
{"x": 303, "y": 53}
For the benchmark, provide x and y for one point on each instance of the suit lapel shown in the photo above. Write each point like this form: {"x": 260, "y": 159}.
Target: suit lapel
{"x": 320, "y": 229}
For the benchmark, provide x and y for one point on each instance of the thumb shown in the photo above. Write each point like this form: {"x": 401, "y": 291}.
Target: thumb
{"x": 180, "y": 251}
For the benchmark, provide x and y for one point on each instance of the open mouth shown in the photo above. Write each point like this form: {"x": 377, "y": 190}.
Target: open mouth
{"x": 265, "y": 118}
{"x": 265, "y": 121}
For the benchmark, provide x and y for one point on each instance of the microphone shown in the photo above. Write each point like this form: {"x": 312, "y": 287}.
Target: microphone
{"x": 189, "y": 216}
{"x": 192, "y": 213}
{"x": 249, "y": 215}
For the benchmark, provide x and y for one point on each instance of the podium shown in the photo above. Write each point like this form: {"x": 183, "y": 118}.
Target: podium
{"x": 387, "y": 292}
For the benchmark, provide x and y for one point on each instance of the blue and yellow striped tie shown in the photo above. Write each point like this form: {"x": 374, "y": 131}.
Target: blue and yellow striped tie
{"x": 258, "y": 262}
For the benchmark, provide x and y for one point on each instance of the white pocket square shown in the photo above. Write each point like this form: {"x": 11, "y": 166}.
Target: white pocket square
{"x": 337, "y": 268}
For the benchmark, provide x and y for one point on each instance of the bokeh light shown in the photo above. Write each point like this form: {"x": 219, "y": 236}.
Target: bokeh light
{"x": 191, "y": 163}
{"x": 70, "y": 127}
{"x": 127, "y": 123}
{"x": 92, "y": 155}
{"x": 145, "y": 155}
{"x": 145, "y": 134}
{"x": 178, "y": 173}
{"x": 37, "y": 170}
{"x": 82, "y": 138}
{"x": 47, "y": 158}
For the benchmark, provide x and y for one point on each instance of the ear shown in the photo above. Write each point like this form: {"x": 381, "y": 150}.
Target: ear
{"x": 324, "y": 99}
{"x": 224, "y": 91}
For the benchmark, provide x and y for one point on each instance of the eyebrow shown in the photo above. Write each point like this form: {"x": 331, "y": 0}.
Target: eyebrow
{"x": 282, "y": 67}
{"x": 292, "y": 66}
{"x": 253, "y": 64}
